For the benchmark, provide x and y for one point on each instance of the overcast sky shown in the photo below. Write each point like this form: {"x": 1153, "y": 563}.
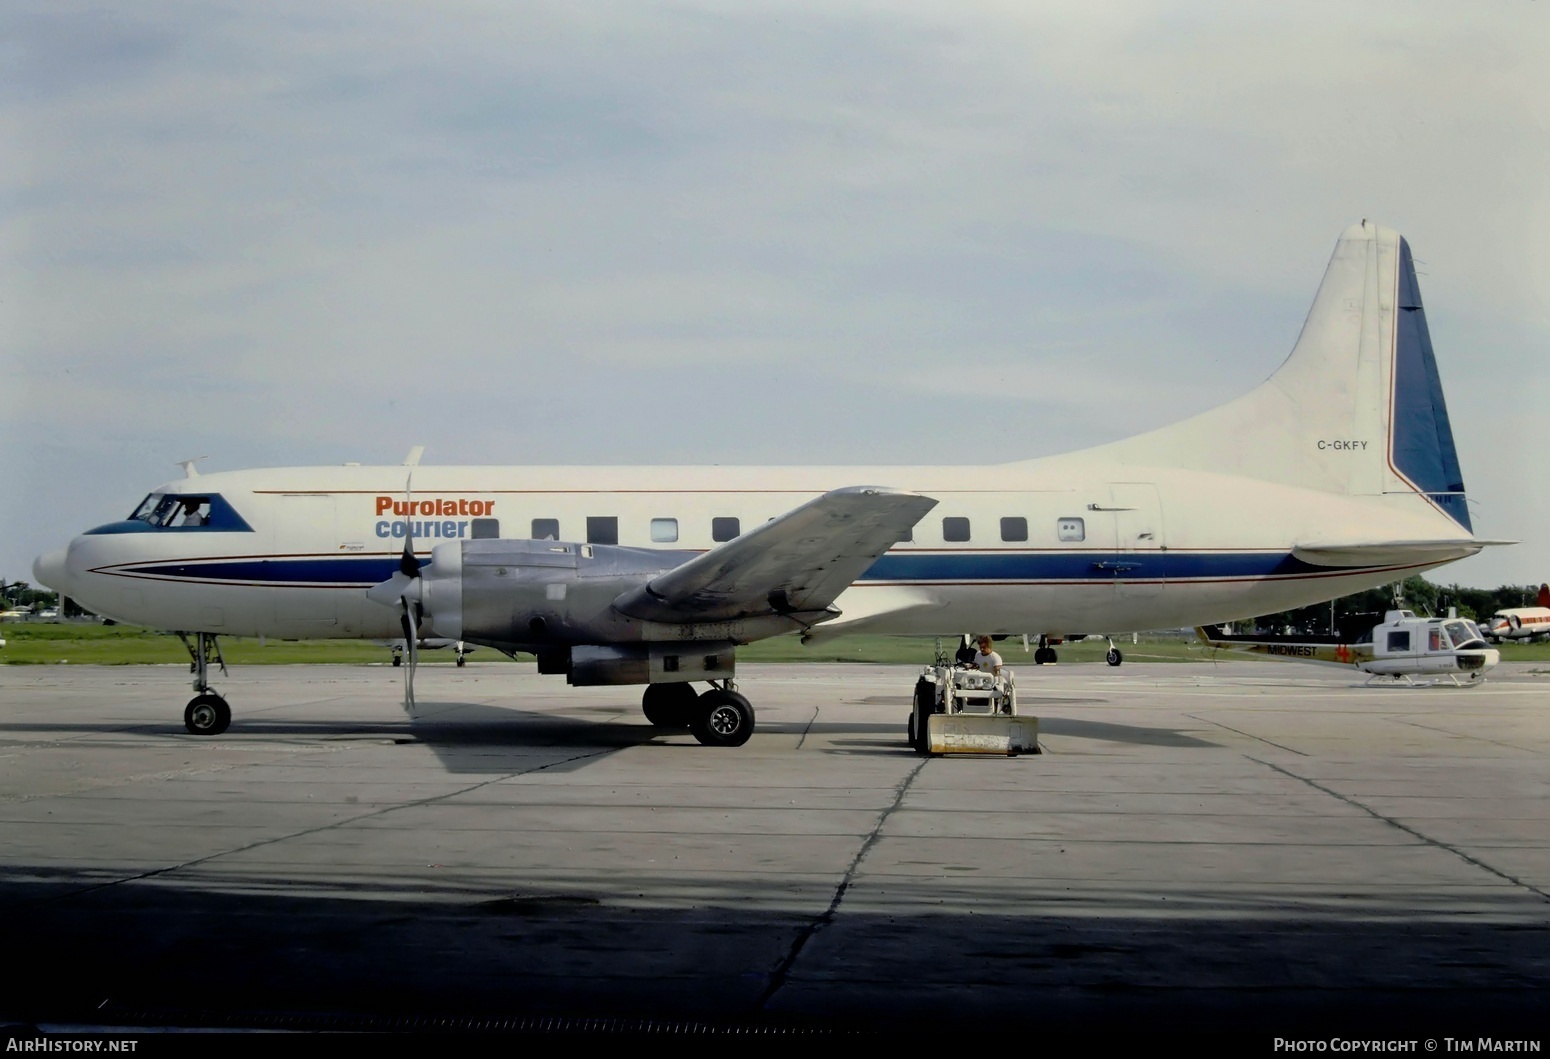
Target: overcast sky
{"x": 522, "y": 232}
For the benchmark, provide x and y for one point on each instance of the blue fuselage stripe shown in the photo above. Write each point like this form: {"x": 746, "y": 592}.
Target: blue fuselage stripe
{"x": 918, "y": 567}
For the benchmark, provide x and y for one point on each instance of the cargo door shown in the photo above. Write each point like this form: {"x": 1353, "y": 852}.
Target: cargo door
{"x": 303, "y": 569}
{"x": 1138, "y": 561}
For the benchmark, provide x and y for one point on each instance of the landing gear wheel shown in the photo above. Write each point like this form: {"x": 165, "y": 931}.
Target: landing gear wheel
{"x": 398, "y": 660}
{"x": 207, "y": 714}
{"x": 461, "y": 661}
{"x": 1044, "y": 656}
{"x": 669, "y": 705}
{"x": 722, "y": 718}
{"x": 920, "y": 716}
{"x": 1114, "y": 657}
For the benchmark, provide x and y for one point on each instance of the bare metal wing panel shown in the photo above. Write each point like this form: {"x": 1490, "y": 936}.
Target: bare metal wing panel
{"x": 796, "y": 564}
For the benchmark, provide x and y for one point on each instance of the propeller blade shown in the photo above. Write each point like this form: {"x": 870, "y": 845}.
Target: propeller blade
{"x": 408, "y": 565}
{"x": 412, "y": 649}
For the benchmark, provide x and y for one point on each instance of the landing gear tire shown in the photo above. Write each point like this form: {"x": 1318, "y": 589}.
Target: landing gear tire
{"x": 920, "y": 717}
{"x": 207, "y": 714}
{"x": 398, "y": 660}
{"x": 461, "y": 661}
{"x": 669, "y": 705}
{"x": 1114, "y": 657}
{"x": 722, "y": 718}
{"x": 1044, "y": 656}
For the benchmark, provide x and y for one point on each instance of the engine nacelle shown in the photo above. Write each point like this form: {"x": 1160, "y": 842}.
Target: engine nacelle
{"x": 535, "y": 593}
{"x": 650, "y": 663}
{"x": 556, "y": 599}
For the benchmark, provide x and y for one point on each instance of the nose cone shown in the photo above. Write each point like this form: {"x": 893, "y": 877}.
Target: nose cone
{"x": 49, "y": 571}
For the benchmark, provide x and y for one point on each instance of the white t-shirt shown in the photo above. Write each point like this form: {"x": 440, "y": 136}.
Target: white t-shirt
{"x": 988, "y": 662}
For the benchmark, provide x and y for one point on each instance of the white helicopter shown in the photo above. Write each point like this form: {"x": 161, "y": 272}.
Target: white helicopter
{"x": 1403, "y": 647}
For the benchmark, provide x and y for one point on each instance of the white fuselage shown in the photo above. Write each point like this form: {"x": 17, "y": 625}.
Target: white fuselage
{"x": 1060, "y": 545}
{"x": 1412, "y": 646}
{"x": 1403, "y": 646}
{"x": 1519, "y": 623}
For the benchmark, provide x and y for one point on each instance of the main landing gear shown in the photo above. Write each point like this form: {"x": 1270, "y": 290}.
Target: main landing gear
{"x": 1044, "y": 654}
{"x": 207, "y": 713}
{"x": 719, "y": 717}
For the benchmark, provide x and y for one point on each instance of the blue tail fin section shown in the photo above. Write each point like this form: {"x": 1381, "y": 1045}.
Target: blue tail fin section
{"x": 1422, "y": 438}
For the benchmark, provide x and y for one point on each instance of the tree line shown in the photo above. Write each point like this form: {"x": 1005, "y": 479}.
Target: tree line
{"x": 1360, "y": 611}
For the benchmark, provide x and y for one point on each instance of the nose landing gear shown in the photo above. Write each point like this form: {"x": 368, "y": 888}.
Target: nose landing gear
{"x": 207, "y": 713}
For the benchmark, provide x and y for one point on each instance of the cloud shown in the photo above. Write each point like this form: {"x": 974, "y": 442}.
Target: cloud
{"x": 317, "y": 232}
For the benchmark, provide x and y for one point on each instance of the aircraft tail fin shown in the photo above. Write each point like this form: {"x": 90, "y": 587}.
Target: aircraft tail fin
{"x": 1543, "y": 600}
{"x": 1357, "y": 408}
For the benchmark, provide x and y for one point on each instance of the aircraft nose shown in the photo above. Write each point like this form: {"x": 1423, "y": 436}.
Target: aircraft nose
{"x": 49, "y": 571}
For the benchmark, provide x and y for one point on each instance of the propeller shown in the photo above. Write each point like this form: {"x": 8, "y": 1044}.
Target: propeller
{"x": 403, "y": 590}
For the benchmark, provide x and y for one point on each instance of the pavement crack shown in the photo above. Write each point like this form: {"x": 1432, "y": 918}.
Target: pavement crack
{"x": 1462, "y": 735}
{"x": 808, "y": 727}
{"x": 1246, "y": 735}
{"x": 782, "y": 972}
{"x": 1407, "y": 829}
{"x": 383, "y": 811}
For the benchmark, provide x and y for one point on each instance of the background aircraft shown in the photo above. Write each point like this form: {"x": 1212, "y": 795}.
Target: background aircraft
{"x": 399, "y": 648}
{"x": 1403, "y": 647}
{"x": 1337, "y": 474}
{"x": 1522, "y": 623}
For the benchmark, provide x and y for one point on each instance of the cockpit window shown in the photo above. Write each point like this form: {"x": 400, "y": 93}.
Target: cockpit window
{"x": 188, "y": 511}
{"x": 175, "y": 510}
{"x": 1465, "y": 635}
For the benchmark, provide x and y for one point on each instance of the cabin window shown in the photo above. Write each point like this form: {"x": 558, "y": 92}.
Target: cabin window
{"x": 664, "y": 530}
{"x": 724, "y": 529}
{"x": 546, "y": 529}
{"x": 1435, "y": 640}
{"x": 483, "y": 529}
{"x": 1399, "y": 641}
{"x": 955, "y": 530}
{"x": 602, "y": 529}
{"x": 1014, "y": 529}
{"x": 1071, "y": 529}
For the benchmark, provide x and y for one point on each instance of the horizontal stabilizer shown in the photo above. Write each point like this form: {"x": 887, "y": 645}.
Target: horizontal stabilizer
{"x": 796, "y": 564}
{"x": 1389, "y": 553}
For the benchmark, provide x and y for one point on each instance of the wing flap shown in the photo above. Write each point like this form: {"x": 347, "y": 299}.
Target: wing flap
{"x": 796, "y": 564}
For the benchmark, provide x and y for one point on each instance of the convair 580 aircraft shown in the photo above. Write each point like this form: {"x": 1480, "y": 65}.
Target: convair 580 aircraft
{"x": 1337, "y": 474}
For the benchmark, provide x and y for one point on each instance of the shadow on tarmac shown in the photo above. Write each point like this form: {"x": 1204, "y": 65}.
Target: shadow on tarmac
{"x": 197, "y": 948}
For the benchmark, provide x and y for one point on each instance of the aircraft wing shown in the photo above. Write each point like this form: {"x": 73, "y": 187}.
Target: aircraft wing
{"x": 1389, "y": 553}
{"x": 796, "y": 564}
